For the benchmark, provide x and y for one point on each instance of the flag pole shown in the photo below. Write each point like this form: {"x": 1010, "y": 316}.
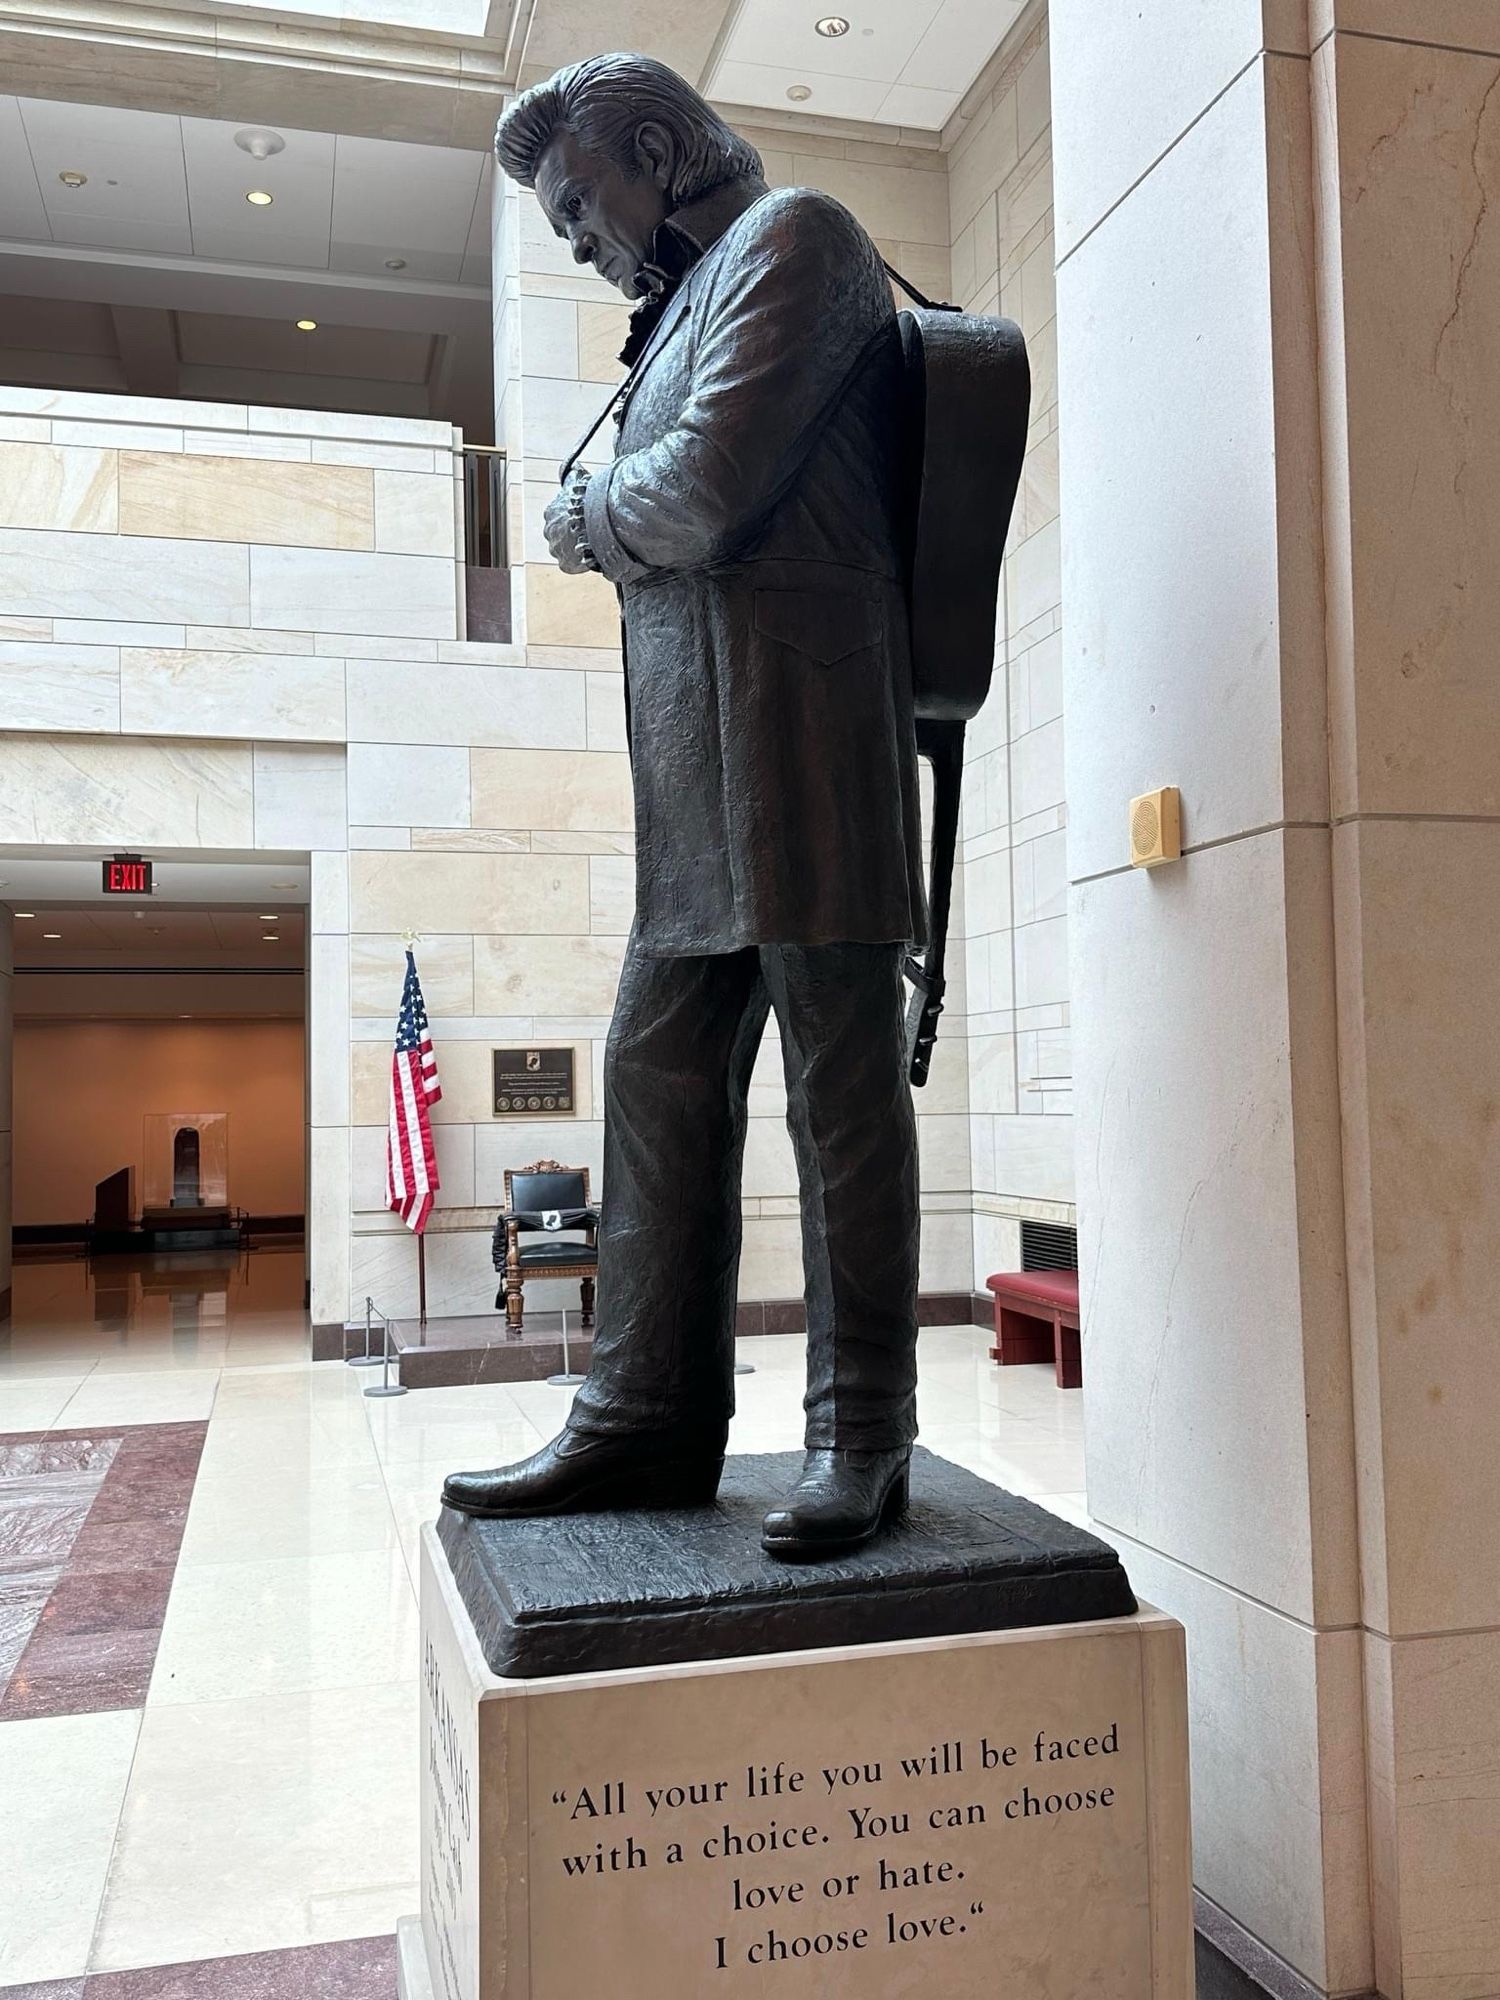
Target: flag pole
{"x": 422, "y": 1281}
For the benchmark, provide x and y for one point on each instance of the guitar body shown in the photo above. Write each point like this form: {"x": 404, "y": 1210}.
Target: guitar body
{"x": 968, "y": 390}
{"x": 968, "y": 393}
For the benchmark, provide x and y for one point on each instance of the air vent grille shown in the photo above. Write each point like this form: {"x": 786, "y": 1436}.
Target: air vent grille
{"x": 1048, "y": 1246}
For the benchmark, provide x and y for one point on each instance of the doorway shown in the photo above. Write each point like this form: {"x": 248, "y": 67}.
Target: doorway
{"x": 159, "y": 1122}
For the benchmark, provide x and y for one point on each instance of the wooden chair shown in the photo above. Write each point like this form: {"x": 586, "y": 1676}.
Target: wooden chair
{"x": 533, "y": 1196}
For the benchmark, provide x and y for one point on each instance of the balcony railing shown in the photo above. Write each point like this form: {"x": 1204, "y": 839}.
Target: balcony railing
{"x": 486, "y": 544}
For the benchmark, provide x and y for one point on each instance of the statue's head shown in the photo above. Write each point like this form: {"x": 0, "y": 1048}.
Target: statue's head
{"x": 612, "y": 146}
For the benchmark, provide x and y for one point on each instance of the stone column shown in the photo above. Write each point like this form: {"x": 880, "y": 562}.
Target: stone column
{"x": 1278, "y": 281}
{"x": 7, "y": 1097}
{"x": 558, "y": 331}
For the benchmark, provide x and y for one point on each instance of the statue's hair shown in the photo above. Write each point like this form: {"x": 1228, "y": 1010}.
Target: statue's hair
{"x": 604, "y": 101}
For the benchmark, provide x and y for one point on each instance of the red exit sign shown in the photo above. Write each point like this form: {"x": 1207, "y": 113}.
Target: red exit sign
{"x": 127, "y": 875}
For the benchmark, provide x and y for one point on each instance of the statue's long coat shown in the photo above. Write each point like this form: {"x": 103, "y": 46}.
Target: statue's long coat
{"x": 750, "y": 519}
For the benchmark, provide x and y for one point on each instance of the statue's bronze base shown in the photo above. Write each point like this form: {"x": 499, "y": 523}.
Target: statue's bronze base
{"x": 583, "y": 1593}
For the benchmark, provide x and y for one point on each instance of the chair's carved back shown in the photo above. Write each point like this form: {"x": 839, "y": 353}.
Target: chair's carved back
{"x": 546, "y": 1184}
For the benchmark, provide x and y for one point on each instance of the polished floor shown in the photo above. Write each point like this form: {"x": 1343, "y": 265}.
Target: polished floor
{"x": 243, "y": 1826}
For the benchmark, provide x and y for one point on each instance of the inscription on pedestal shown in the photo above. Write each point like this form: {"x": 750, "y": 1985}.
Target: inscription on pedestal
{"x": 878, "y": 1825}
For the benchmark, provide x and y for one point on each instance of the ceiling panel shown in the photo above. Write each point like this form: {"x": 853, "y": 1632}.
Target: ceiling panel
{"x": 56, "y": 125}
{"x": 294, "y": 230}
{"x": 832, "y": 96}
{"x": 21, "y": 210}
{"x": 926, "y": 110}
{"x": 388, "y": 197}
{"x": 959, "y": 42}
{"x": 926, "y": 54}
{"x": 372, "y": 353}
{"x": 176, "y": 186}
{"x": 782, "y": 34}
{"x": 116, "y": 937}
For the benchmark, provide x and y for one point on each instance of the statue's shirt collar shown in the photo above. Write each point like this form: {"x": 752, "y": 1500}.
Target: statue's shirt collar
{"x": 687, "y": 234}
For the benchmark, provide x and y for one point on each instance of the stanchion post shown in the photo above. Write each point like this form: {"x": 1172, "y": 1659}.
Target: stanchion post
{"x": 385, "y": 1386}
{"x": 367, "y": 1359}
{"x": 567, "y": 1379}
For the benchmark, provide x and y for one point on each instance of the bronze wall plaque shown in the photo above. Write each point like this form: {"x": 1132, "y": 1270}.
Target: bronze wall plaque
{"x": 534, "y": 1083}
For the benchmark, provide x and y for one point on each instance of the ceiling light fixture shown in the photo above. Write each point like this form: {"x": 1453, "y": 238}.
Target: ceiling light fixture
{"x": 28, "y": 914}
{"x": 272, "y": 919}
{"x": 73, "y": 179}
{"x": 832, "y": 26}
{"x": 799, "y": 93}
{"x": 258, "y": 198}
{"x": 286, "y": 885}
{"x": 307, "y": 326}
{"x": 52, "y": 937}
{"x": 395, "y": 263}
{"x": 270, "y": 940}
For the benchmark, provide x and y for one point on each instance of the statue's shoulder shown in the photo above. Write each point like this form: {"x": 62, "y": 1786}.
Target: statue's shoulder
{"x": 799, "y": 216}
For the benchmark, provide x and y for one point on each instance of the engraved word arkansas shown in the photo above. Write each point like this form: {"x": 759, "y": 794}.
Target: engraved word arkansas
{"x": 901, "y": 1896}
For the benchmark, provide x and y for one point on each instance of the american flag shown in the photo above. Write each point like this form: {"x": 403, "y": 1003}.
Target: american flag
{"x": 411, "y": 1174}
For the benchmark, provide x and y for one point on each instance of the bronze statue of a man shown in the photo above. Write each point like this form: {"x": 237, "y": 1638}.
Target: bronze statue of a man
{"x": 751, "y": 520}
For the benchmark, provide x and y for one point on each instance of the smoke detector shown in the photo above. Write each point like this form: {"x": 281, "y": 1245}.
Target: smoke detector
{"x": 799, "y": 92}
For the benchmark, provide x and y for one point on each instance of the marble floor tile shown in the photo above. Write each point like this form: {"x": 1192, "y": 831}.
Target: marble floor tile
{"x": 48, "y": 1989}
{"x": 1032, "y": 1469}
{"x": 317, "y": 1438}
{"x": 159, "y": 1397}
{"x": 63, "y": 1781}
{"x": 257, "y": 1825}
{"x": 28, "y": 1458}
{"x": 23, "y": 1594}
{"x": 33, "y": 1401}
{"x": 40, "y": 1518}
{"x": 251, "y": 1513}
{"x": 288, "y": 1626}
{"x": 355, "y": 1969}
{"x": 433, "y": 1451}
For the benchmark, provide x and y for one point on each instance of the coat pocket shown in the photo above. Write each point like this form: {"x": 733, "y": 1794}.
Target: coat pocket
{"x": 825, "y": 625}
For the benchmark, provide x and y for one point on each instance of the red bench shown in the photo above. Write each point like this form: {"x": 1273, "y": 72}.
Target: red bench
{"x": 1036, "y": 1319}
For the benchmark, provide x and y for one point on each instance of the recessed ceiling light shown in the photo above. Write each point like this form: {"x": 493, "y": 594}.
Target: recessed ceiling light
{"x": 286, "y": 885}
{"x": 258, "y": 198}
{"x": 799, "y": 93}
{"x": 272, "y": 919}
{"x": 28, "y": 914}
{"x": 832, "y": 26}
{"x": 307, "y": 326}
{"x": 71, "y": 178}
{"x": 52, "y": 937}
{"x": 270, "y": 940}
{"x": 395, "y": 263}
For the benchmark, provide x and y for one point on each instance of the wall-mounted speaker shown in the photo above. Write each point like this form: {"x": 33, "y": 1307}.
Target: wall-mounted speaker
{"x": 1156, "y": 828}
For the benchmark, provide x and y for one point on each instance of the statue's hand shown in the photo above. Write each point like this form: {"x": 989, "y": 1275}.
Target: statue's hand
{"x": 563, "y": 526}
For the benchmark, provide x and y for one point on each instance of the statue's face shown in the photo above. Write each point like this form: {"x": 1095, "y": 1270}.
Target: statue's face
{"x": 608, "y": 218}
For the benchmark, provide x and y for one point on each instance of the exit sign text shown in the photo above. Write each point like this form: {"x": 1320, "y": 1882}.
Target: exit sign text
{"x": 127, "y": 875}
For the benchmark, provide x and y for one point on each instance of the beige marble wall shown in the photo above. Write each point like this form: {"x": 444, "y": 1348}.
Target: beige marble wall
{"x": 1407, "y": 150}
{"x": 1276, "y": 290}
{"x": 1014, "y": 853}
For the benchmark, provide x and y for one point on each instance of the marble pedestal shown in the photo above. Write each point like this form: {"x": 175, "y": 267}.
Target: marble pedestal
{"x": 1001, "y": 1812}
